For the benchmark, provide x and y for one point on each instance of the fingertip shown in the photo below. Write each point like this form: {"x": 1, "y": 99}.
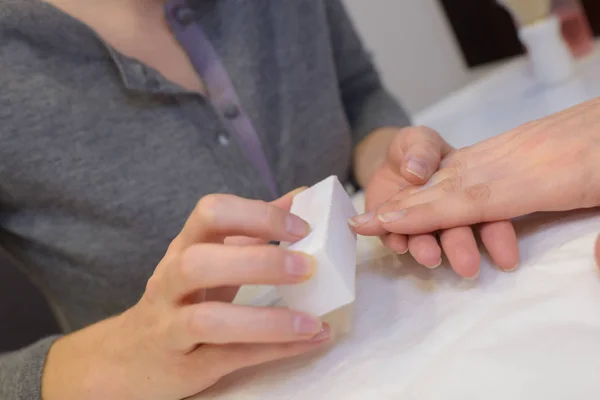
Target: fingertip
{"x": 306, "y": 325}
{"x": 512, "y": 268}
{"x": 467, "y": 263}
{"x": 436, "y": 265}
{"x": 361, "y": 219}
{"x": 324, "y": 335}
{"x": 425, "y": 250}
{"x": 395, "y": 242}
{"x": 461, "y": 249}
{"x": 367, "y": 225}
{"x": 507, "y": 261}
{"x": 500, "y": 240}
{"x": 296, "y": 226}
{"x": 472, "y": 277}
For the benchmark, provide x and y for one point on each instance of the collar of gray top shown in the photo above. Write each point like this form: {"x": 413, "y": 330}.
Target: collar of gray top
{"x": 38, "y": 21}
{"x": 42, "y": 23}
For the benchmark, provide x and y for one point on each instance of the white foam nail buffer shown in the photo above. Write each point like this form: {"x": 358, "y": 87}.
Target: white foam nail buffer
{"x": 326, "y": 207}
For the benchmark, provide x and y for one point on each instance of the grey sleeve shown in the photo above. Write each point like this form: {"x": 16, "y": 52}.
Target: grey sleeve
{"x": 21, "y": 371}
{"x": 367, "y": 104}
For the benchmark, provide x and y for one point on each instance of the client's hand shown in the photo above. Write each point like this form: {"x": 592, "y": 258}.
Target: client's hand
{"x": 547, "y": 165}
{"x": 184, "y": 335}
{"x": 414, "y": 155}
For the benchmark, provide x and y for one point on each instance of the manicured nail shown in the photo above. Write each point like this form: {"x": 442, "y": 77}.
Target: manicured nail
{"x": 391, "y": 216}
{"x": 323, "y": 335}
{"x": 513, "y": 269}
{"x": 472, "y": 278}
{"x": 296, "y": 226}
{"x": 360, "y": 220}
{"x": 434, "y": 266}
{"x": 297, "y": 191}
{"x": 403, "y": 252}
{"x": 299, "y": 265}
{"x": 417, "y": 167}
{"x": 306, "y": 325}
{"x": 427, "y": 185}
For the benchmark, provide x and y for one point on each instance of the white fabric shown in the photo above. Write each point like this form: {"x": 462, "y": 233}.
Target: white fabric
{"x": 419, "y": 334}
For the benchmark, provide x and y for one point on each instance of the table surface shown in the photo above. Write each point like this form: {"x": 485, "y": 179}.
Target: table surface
{"x": 421, "y": 334}
{"x": 507, "y": 98}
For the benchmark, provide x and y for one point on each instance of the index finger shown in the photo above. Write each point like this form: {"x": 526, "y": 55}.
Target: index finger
{"x": 218, "y": 216}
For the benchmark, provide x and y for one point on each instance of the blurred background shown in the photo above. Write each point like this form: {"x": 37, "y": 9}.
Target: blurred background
{"x": 425, "y": 50}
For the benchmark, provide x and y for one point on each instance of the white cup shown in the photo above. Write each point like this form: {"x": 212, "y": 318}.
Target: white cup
{"x": 551, "y": 59}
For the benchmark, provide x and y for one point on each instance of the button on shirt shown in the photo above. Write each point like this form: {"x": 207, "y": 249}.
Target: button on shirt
{"x": 102, "y": 159}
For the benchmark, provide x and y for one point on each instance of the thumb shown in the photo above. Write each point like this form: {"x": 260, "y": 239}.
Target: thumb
{"x": 422, "y": 150}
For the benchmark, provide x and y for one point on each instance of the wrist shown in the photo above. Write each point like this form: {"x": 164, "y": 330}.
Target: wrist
{"x": 80, "y": 366}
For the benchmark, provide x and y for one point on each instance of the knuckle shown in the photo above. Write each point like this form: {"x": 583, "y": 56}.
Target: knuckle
{"x": 152, "y": 288}
{"x": 188, "y": 262}
{"x": 173, "y": 246}
{"x": 479, "y": 193}
{"x": 390, "y": 206}
{"x": 451, "y": 185}
{"x": 420, "y": 130}
{"x": 203, "y": 321}
{"x": 271, "y": 215}
{"x": 396, "y": 206}
{"x": 207, "y": 207}
{"x": 457, "y": 166}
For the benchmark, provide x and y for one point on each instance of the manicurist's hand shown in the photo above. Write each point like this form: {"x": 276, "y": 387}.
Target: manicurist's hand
{"x": 413, "y": 155}
{"x": 547, "y": 165}
{"x": 184, "y": 334}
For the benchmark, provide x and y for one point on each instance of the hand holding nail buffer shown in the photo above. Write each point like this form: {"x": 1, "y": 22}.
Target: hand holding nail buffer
{"x": 326, "y": 207}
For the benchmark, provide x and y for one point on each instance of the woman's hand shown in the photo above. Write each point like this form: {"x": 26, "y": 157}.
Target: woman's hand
{"x": 413, "y": 155}
{"x": 546, "y": 165}
{"x": 184, "y": 335}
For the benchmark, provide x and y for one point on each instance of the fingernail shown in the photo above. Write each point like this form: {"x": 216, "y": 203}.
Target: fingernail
{"x": 305, "y": 325}
{"x": 391, "y": 216}
{"x": 299, "y": 265}
{"x": 434, "y": 266}
{"x": 417, "y": 167}
{"x": 472, "y": 278}
{"x": 361, "y": 219}
{"x": 297, "y": 191}
{"x": 426, "y": 186}
{"x": 323, "y": 335}
{"x": 296, "y": 226}
{"x": 513, "y": 269}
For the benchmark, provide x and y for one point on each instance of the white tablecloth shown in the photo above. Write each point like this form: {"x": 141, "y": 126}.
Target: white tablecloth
{"x": 420, "y": 334}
